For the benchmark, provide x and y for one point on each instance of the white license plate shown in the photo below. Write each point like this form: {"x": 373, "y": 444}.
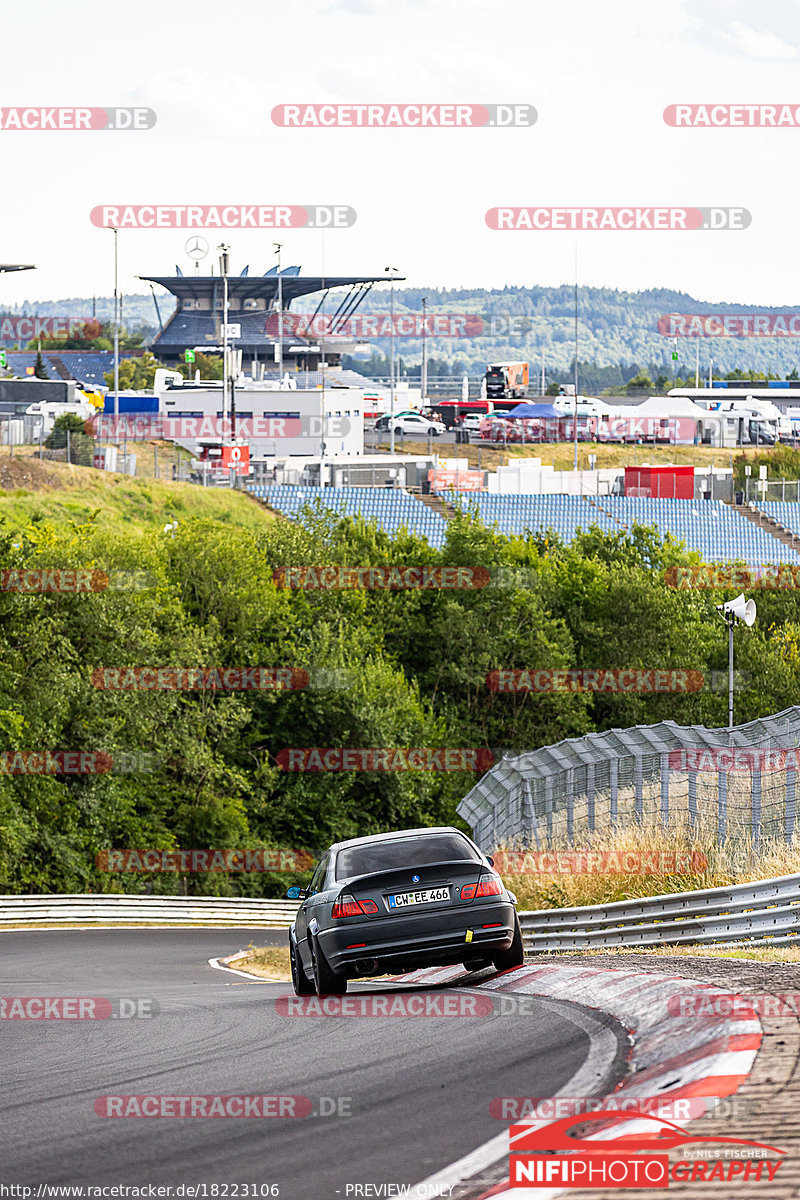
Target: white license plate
{"x": 428, "y": 896}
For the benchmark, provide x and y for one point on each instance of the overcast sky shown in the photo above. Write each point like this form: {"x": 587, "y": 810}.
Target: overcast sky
{"x": 599, "y": 75}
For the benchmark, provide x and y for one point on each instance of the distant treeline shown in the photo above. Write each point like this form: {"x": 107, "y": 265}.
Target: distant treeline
{"x": 197, "y": 769}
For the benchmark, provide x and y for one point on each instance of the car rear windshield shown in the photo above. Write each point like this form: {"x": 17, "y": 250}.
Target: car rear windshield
{"x": 403, "y": 852}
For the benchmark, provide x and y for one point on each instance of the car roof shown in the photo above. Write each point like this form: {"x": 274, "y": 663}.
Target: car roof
{"x": 398, "y": 833}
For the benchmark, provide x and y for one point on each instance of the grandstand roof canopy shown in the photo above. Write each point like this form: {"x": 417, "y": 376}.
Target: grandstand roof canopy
{"x": 244, "y": 287}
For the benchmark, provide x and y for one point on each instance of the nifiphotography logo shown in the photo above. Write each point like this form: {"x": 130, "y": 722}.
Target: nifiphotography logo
{"x": 547, "y": 1156}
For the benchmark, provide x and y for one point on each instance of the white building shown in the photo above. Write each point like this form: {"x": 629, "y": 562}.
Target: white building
{"x": 275, "y": 422}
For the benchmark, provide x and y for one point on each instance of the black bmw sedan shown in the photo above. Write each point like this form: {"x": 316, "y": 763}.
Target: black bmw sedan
{"x": 399, "y": 901}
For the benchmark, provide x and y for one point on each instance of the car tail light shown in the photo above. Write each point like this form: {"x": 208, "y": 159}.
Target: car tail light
{"x": 346, "y": 905}
{"x": 490, "y": 885}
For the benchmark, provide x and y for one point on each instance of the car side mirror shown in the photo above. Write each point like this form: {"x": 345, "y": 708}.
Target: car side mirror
{"x": 296, "y": 893}
{"x": 490, "y": 860}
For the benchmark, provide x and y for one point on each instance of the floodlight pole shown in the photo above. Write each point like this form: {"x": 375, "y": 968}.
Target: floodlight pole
{"x": 278, "y": 247}
{"x": 424, "y": 370}
{"x": 575, "y": 411}
{"x": 391, "y": 379}
{"x": 730, "y": 675}
{"x": 116, "y": 331}
{"x": 223, "y": 270}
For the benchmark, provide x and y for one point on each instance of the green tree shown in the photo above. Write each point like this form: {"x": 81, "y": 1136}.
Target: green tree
{"x": 209, "y": 366}
{"x": 81, "y": 442}
{"x": 90, "y": 338}
{"x": 641, "y": 382}
{"x": 39, "y": 369}
{"x": 135, "y": 374}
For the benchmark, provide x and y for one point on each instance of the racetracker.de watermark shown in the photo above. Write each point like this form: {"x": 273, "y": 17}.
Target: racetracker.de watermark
{"x": 415, "y": 1004}
{"x": 397, "y": 325}
{"x": 623, "y": 679}
{"x": 734, "y": 1004}
{"x": 76, "y": 1008}
{"x": 396, "y": 578}
{"x": 732, "y": 116}
{"x": 155, "y": 861}
{"x": 735, "y": 758}
{"x": 730, "y": 325}
{"x": 150, "y": 427}
{"x": 600, "y": 862}
{"x": 387, "y": 758}
{"x": 71, "y": 580}
{"x": 205, "y": 1107}
{"x": 223, "y": 216}
{"x": 72, "y": 119}
{"x": 24, "y": 329}
{"x": 618, "y": 218}
{"x": 771, "y": 577}
{"x": 55, "y": 762}
{"x": 549, "y": 1108}
{"x": 199, "y": 679}
{"x": 78, "y": 762}
{"x": 403, "y": 116}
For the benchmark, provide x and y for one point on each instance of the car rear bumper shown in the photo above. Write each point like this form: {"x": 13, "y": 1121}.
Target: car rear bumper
{"x": 409, "y": 940}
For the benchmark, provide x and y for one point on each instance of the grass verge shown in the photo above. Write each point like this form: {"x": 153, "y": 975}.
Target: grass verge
{"x": 725, "y": 864}
{"x": 56, "y": 492}
{"x": 271, "y": 962}
{"x": 767, "y": 954}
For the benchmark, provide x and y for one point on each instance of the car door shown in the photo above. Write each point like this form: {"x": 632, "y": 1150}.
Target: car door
{"x": 306, "y": 910}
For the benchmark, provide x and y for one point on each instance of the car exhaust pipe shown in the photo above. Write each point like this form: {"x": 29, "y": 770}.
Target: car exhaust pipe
{"x": 367, "y": 966}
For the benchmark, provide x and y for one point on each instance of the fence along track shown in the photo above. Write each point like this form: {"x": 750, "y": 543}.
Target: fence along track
{"x": 157, "y": 910}
{"x": 766, "y": 912}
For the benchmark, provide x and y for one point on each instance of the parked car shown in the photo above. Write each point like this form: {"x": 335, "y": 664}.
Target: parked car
{"x": 412, "y": 424}
{"x": 395, "y": 902}
{"x": 384, "y": 422}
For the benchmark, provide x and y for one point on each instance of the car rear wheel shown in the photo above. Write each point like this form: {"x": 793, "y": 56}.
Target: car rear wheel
{"x": 514, "y": 956}
{"x": 327, "y": 982}
{"x": 300, "y": 981}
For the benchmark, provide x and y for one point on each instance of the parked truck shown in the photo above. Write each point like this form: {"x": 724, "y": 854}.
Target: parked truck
{"x": 506, "y": 380}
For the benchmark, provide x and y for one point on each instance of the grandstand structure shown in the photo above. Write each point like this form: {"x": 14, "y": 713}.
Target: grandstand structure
{"x": 252, "y": 304}
{"x": 391, "y": 509}
{"x": 715, "y": 530}
{"x": 81, "y": 365}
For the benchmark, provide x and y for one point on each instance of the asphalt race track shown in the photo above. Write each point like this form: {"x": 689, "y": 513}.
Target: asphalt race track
{"x": 418, "y": 1088}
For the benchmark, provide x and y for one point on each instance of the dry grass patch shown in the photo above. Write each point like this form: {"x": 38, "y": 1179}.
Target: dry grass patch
{"x": 771, "y": 954}
{"x": 734, "y": 862}
{"x": 270, "y": 962}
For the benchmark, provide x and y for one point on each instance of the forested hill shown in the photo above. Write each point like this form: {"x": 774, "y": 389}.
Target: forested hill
{"x": 617, "y": 331}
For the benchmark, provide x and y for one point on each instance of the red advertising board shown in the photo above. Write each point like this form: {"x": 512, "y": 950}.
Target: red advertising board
{"x": 236, "y": 458}
{"x": 669, "y": 482}
{"x": 462, "y": 481}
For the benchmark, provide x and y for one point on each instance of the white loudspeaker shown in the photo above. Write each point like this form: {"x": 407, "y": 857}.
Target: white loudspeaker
{"x": 740, "y": 609}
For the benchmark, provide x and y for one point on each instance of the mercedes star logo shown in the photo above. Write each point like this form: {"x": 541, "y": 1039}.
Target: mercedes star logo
{"x": 196, "y": 247}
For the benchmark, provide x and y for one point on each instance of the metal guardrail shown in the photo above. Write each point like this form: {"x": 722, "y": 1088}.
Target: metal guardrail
{"x": 766, "y": 911}
{"x": 98, "y": 908}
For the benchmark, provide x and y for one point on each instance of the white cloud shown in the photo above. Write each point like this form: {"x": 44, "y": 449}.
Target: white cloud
{"x": 205, "y": 104}
{"x": 753, "y": 43}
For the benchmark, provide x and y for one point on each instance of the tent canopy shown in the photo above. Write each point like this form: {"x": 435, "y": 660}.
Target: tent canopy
{"x": 666, "y": 406}
{"x": 547, "y": 411}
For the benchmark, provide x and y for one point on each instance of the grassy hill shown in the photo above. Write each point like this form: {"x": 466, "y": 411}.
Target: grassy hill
{"x": 31, "y": 490}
